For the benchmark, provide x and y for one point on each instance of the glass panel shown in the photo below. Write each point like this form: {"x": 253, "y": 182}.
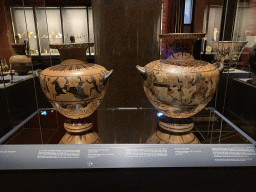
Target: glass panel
{"x": 18, "y": 91}
{"x": 240, "y": 107}
{"x": 118, "y": 126}
{"x": 243, "y": 38}
{"x": 50, "y": 33}
{"x": 5, "y": 79}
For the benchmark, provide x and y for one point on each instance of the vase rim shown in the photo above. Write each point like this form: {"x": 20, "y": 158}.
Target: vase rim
{"x": 77, "y": 67}
{"x": 70, "y": 45}
{"x": 182, "y": 35}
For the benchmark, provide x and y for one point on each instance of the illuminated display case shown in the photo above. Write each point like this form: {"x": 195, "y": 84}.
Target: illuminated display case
{"x": 62, "y": 22}
{"x": 126, "y": 35}
{"x": 25, "y": 26}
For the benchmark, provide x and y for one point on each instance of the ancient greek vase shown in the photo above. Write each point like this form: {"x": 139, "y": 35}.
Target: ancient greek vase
{"x": 179, "y": 86}
{"x": 19, "y": 61}
{"x": 75, "y": 88}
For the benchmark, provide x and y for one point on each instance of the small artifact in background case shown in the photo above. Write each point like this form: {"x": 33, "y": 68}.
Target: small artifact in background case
{"x": 29, "y": 34}
{"x": 208, "y": 49}
{"x": 19, "y": 61}
{"x": 228, "y": 52}
{"x": 3, "y": 68}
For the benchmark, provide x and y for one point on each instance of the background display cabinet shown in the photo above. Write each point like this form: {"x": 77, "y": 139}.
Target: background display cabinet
{"x": 120, "y": 91}
{"x": 51, "y": 25}
{"x": 24, "y": 27}
{"x": 227, "y": 26}
{"x": 241, "y": 88}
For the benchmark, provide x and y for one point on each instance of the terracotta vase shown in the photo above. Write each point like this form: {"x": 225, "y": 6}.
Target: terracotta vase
{"x": 19, "y": 61}
{"x": 75, "y": 88}
{"x": 179, "y": 86}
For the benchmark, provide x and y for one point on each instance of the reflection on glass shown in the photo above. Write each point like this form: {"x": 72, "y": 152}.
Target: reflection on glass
{"x": 244, "y": 30}
{"x": 50, "y": 33}
{"x": 75, "y": 23}
{"x": 242, "y": 14}
{"x": 228, "y": 53}
{"x": 117, "y": 126}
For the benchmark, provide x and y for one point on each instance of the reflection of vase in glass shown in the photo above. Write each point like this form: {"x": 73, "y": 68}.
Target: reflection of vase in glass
{"x": 75, "y": 88}
{"x": 179, "y": 87}
{"x": 228, "y": 52}
{"x": 19, "y": 61}
{"x": 72, "y": 50}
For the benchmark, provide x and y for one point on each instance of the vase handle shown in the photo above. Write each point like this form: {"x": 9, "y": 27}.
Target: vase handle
{"x": 219, "y": 66}
{"x": 107, "y": 76}
{"x": 38, "y": 72}
{"x": 143, "y": 72}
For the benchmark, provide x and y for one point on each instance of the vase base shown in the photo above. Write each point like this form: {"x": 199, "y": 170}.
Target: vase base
{"x": 168, "y": 137}
{"x": 174, "y": 131}
{"x": 87, "y": 137}
{"x": 78, "y": 125}
{"x": 79, "y": 132}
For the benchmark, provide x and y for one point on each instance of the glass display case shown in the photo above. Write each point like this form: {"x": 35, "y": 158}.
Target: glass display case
{"x": 125, "y": 127}
{"x": 54, "y": 25}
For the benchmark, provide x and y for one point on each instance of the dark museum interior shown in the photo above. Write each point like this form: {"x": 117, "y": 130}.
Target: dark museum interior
{"x": 127, "y": 95}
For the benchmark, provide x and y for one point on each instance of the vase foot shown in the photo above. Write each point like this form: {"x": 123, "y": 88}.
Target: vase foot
{"x": 168, "y": 137}
{"x": 87, "y": 137}
{"x": 174, "y": 131}
{"x": 175, "y": 125}
{"x": 79, "y": 132}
